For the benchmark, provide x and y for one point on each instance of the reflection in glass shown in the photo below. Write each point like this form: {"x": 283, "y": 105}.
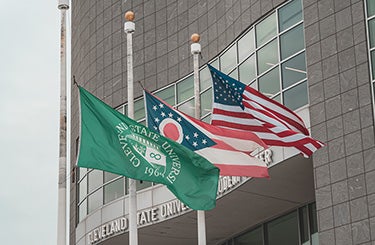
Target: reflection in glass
{"x": 266, "y": 30}
{"x": 95, "y": 179}
{"x": 167, "y": 95}
{"x": 82, "y": 189}
{"x": 283, "y": 230}
{"x": 206, "y": 102}
{"x": 290, "y": 14}
{"x": 142, "y": 184}
{"x": 187, "y": 107}
{"x": 267, "y": 57}
{"x": 205, "y": 78}
{"x": 247, "y": 70}
{"x": 371, "y": 29}
{"x": 82, "y": 211}
{"x": 293, "y": 70}
{"x": 269, "y": 84}
{"x": 370, "y": 7}
{"x": 296, "y": 97}
{"x": 114, "y": 190}
{"x": 254, "y": 237}
{"x": 185, "y": 89}
{"x": 139, "y": 109}
{"x": 228, "y": 60}
{"x": 95, "y": 200}
{"x": 246, "y": 45}
{"x": 291, "y": 42}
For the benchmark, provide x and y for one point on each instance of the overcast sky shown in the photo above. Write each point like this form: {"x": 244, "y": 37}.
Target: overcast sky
{"x": 29, "y": 113}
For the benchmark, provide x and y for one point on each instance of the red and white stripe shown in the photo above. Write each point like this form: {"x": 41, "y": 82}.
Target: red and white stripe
{"x": 274, "y": 123}
{"x": 231, "y": 154}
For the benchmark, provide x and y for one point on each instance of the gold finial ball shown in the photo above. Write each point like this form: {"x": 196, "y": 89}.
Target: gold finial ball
{"x": 129, "y": 16}
{"x": 195, "y": 38}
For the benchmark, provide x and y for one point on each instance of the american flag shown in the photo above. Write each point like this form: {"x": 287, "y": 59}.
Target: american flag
{"x": 227, "y": 149}
{"x": 238, "y": 106}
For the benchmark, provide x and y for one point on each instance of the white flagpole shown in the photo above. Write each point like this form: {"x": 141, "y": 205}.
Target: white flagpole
{"x": 129, "y": 28}
{"x": 196, "y": 50}
{"x": 63, "y": 6}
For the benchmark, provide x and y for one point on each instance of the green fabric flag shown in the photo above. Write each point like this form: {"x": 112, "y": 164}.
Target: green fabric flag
{"x": 112, "y": 142}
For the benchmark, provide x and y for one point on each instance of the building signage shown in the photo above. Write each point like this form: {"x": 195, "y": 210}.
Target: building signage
{"x": 156, "y": 214}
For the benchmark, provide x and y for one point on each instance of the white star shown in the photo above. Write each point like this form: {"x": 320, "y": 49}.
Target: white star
{"x": 204, "y": 141}
{"x": 156, "y": 128}
{"x": 179, "y": 119}
{"x": 170, "y": 114}
{"x": 162, "y": 114}
{"x": 187, "y": 137}
{"x": 161, "y": 105}
{"x": 195, "y": 135}
{"x": 195, "y": 144}
{"x": 156, "y": 119}
{"x": 154, "y": 107}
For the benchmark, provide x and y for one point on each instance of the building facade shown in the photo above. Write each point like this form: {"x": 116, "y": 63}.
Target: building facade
{"x": 316, "y": 57}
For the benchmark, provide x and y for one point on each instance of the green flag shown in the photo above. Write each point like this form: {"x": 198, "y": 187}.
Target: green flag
{"x": 112, "y": 142}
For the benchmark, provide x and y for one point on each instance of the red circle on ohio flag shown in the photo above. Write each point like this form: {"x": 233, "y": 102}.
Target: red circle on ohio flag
{"x": 171, "y": 129}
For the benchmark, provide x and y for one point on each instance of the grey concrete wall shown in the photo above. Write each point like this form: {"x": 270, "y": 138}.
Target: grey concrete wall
{"x": 342, "y": 116}
{"x": 161, "y": 46}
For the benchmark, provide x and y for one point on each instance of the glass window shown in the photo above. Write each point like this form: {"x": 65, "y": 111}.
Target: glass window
{"x": 121, "y": 109}
{"x": 95, "y": 179}
{"x": 267, "y": 57}
{"x": 277, "y": 98}
{"x": 167, "y": 95}
{"x": 246, "y": 45}
{"x": 142, "y": 184}
{"x": 290, "y": 14}
{"x": 296, "y": 97}
{"x": 371, "y": 29}
{"x": 266, "y": 30}
{"x": 95, "y": 200}
{"x": 304, "y": 226}
{"x": 283, "y": 230}
{"x": 269, "y": 84}
{"x": 228, "y": 60}
{"x": 370, "y": 7}
{"x": 234, "y": 74}
{"x": 188, "y": 107}
{"x": 313, "y": 224}
{"x": 82, "y": 211}
{"x": 215, "y": 63}
{"x": 185, "y": 89}
{"x": 373, "y": 64}
{"x": 291, "y": 42}
{"x": 82, "y": 189}
{"x": 205, "y": 78}
{"x": 109, "y": 176}
{"x": 207, "y": 119}
{"x": 293, "y": 70}
{"x": 206, "y": 102}
{"x": 254, "y": 237}
{"x": 247, "y": 70}
{"x": 82, "y": 172}
{"x": 139, "y": 109}
{"x": 114, "y": 190}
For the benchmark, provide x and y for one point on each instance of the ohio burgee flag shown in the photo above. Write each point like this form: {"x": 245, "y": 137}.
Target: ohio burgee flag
{"x": 112, "y": 142}
{"x": 227, "y": 149}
